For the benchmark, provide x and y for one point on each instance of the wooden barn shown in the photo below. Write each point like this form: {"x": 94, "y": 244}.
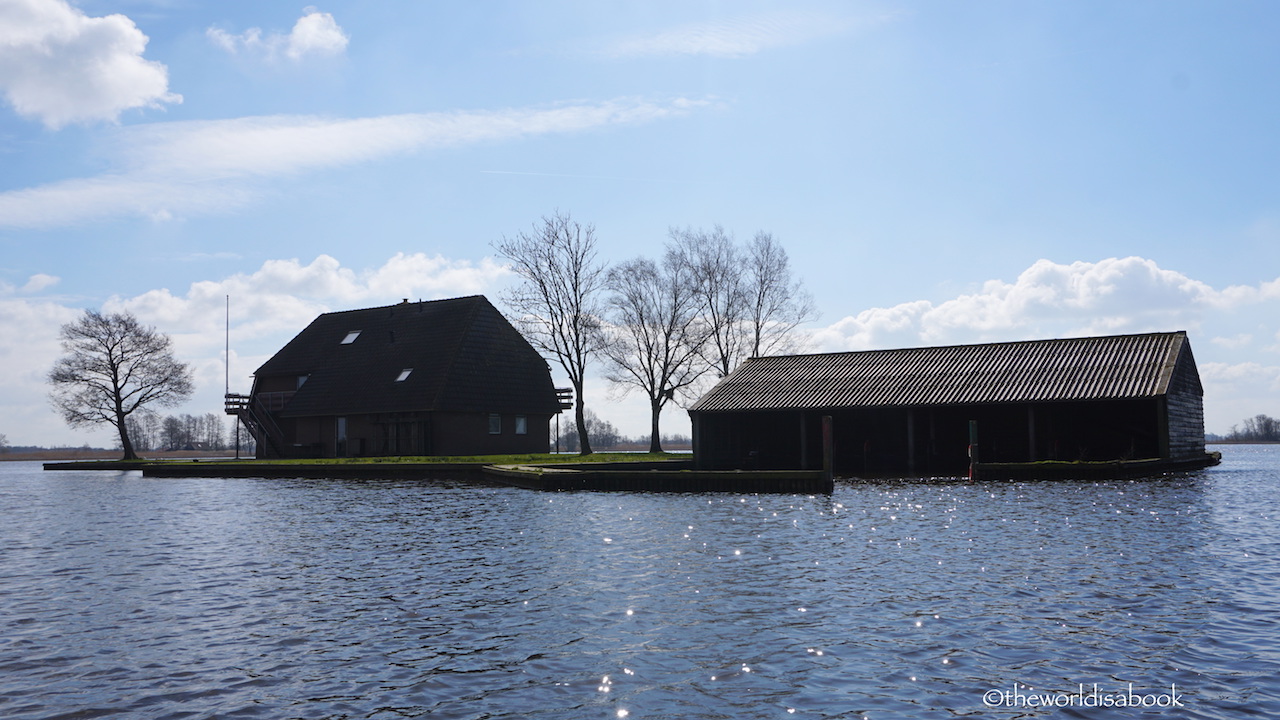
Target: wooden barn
{"x": 910, "y": 411}
{"x": 445, "y": 377}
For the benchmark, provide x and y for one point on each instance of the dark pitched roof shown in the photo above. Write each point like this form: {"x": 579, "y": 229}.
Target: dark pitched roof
{"x": 1095, "y": 368}
{"x": 463, "y": 353}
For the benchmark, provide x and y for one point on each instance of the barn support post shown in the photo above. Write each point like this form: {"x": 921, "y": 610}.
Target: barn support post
{"x": 1031, "y": 433}
{"x": 699, "y": 458}
{"x": 1162, "y": 427}
{"x": 804, "y": 444}
{"x": 911, "y": 441}
{"x": 828, "y": 450}
{"x": 973, "y": 447}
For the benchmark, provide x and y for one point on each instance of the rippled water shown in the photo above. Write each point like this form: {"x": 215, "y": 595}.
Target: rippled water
{"x": 123, "y": 596}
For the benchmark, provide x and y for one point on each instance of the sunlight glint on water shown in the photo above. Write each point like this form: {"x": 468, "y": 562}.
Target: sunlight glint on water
{"x": 326, "y": 599}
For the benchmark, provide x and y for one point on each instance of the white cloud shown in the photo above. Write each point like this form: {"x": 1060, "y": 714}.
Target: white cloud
{"x": 28, "y": 348}
{"x": 1234, "y": 342}
{"x": 1247, "y": 376}
{"x": 731, "y": 37}
{"x": 268, "y": 307}
{"x": 200, "y": 167}
{"x": 271, "y": 304}
{"x": 315, "y": 34}
{"x": 284, "y": 295}
{"x": 59, "y": 66}
{"x": 1238, "y": 390}
{"x": 1116, "y": 295}
{"x": 39, "y": 282}
{"x": 34, "y": 284}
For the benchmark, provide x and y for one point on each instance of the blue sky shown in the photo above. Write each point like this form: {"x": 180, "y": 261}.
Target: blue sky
{"x": 939, "y": 172}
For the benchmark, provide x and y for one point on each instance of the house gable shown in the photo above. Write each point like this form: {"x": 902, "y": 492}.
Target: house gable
{"x": 461, "y": 354}
{"x": 412, "y": 378}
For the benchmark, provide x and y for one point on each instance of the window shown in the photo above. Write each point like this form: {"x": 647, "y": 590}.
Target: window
{"x": 495, "y": 424}
{"x": 404, "y": 375}
{"x": 301, "y": 379}
{"x": 351, "y": 337}
{"x": 522, "y": 425}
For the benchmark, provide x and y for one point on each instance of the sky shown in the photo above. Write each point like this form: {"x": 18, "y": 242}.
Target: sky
{"x": 938, "y": 172}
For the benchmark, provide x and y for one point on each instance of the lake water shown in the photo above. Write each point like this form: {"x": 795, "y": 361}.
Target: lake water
{"x": 130, "y": 597}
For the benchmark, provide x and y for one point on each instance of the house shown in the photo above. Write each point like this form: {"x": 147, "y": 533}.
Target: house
{"x": 444, "y": 377}
{"x": 910, "y": 411}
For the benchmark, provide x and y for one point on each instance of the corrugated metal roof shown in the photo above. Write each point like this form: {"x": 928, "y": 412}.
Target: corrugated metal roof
{"x": 1094, "y": 368}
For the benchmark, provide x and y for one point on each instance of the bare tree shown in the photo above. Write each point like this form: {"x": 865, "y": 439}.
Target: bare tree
{"x": 1262, "y": 428}
{"x": 144, "y": 430}
{"x": 716, "y": 266}
{"x": 605, "y": 434}
{"x": 173, "y": 433}
{"x": 114, "y": 366}
{"x": 557, "y": 304}
{"x": 656, "y": 332}
{"x": 776, "y": 303}
{"x": 750, "y": 302}
{"x": 213, "y": 432}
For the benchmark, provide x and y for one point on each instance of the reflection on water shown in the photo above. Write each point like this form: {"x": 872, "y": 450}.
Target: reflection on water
{"x": 139, "y": 597}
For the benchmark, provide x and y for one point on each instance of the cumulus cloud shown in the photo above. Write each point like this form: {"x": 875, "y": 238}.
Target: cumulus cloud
{"x": 731, "y": 37}
{"x": 1116, "y": 295}
{"x": 165, "y": 170}
{"x": 1237, "y": 390}
{"x": 34, "y": 284}
{"x": 315, "y": 34}
{"x": 39, "y": 282}
{"x": 1111, "y": 296}
{"x": 60, "y": 66}
{"x": 272, "y": 303}
{"x": 285, "y": 295}
{"x": 28, "y": 348}
{"x": 267, "y": 307}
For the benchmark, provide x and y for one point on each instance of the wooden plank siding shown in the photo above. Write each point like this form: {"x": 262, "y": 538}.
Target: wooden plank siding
{"x": 907, "y": 411}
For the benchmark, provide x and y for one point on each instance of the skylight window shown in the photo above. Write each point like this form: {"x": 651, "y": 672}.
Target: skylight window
{"x": 404, "y": 374}
{"x": 351, "y": 337}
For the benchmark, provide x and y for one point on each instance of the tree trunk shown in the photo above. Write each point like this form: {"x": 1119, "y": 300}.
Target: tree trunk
{"x": 579, "y": 413}
{"x": 655, "y": 437}
{"x": 125, "y": 442}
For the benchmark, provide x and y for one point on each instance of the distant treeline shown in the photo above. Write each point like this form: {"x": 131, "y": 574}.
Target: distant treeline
{"x": 604, "y": 436}
{"x": 28, "y": 449}
{"x": 151, "y": 431}
{"x": 1261, "y": 428}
